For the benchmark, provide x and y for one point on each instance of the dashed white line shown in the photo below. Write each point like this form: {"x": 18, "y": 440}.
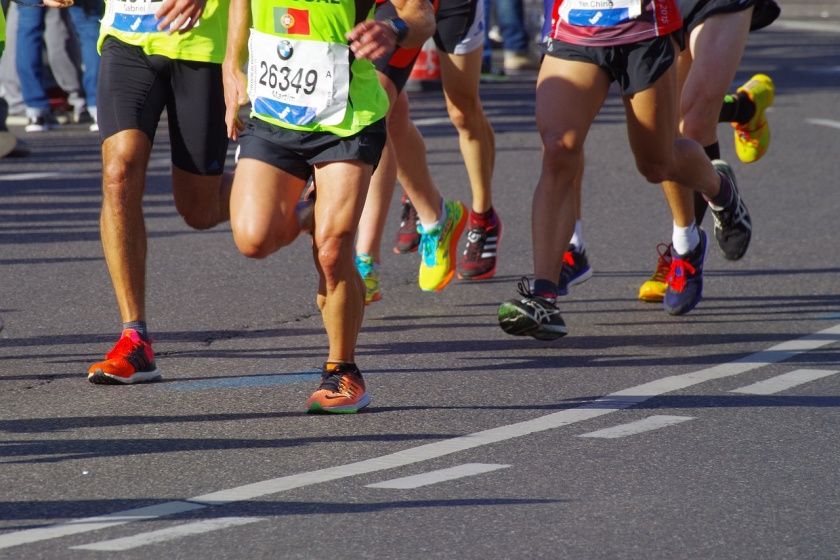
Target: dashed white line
{"x": 613, "y": 402}
{"x": 784, "y": 382}
{"x": 169, "y": 534}
{"x": 29, "y": 176}
{"x": 441, "y": 475}
{"x": 639, "y": 426}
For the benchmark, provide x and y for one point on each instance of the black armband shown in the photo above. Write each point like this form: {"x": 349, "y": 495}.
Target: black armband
{"x": 399, "y": 27}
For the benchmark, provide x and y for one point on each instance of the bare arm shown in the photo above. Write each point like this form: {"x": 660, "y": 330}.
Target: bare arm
{"x": 179, "y": 15}
{"x": 235, "y": 80}
{"x": 372, "y": 39}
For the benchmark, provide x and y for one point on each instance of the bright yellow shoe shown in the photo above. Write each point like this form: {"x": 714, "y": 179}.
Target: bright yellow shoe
{"x": 438, "y": 248}
{"x": 753, "y": 138}
{"x": 653, "y": 290}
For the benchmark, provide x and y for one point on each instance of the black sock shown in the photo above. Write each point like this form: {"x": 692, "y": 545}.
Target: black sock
{"x": 712, "y": 151}
{"x": 545, "y": 289}
{"x": 139, "y": 326}
{"x": 737, "y": 108}
{"x": 700, "y": 204}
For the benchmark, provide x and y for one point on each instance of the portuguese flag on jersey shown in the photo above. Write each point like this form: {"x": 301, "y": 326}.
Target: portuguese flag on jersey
{"x": 291, "y": 21}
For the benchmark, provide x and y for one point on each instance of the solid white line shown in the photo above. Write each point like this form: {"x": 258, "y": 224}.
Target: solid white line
{"x": 824, "y": 122}
{"x": 794, "y": 25}
{"x": 87, "y": 524}
{"x": 441, "y": 475}
{"x": 639, "y": 426}
{"x": 784, "y": 381}
{"x": 598, "y": 407}
{"x": 169, "y": 534}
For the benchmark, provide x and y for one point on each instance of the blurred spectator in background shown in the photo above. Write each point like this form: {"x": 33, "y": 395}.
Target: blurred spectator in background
{"x": 30, "y": 41}
{"x": 515, "y": 36}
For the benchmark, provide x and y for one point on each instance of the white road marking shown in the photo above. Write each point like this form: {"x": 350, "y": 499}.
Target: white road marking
{"x": 784, "y": 381}
{"x": 29, "y": 176}
{"x": 824, "y": 122}
{"x": 169, "y": 534}
{"x": 639, "y": 426}
{"x": 794, "y": 25}
{"x": 441, "y": 475}
{"x": 613, "y": 402}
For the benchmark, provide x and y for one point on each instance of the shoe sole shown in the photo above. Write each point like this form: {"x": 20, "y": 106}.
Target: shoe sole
{"x": 317, "y": 408}
{"x": 100, "y": 377}
{"x": 513, "y": 321}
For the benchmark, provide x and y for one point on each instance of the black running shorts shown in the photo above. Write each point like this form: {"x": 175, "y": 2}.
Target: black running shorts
{"x": 458, "y": 31}
{"x": 296, "y": 152}
{"x": 695, "y": 12}
{"x": 635, "y": 66}
{"x": 135, "y": 88}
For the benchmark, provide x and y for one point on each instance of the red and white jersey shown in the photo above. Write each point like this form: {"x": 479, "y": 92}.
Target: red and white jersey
{"x": 606, "y": 23}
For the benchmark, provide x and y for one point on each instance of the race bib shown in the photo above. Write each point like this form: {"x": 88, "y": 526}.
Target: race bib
{"x": 296, "y": 81}
{"x": 134, "y": 16}
{"x": 600, "y": 13}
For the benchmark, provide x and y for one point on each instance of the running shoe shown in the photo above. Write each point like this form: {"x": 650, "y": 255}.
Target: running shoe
{"x": 531, "y": 315}
{"x": 131, "y": 360}
{"x": 408, "y": 239}
{"x": 576, "y": 270}
{"x": 369, "y": 271}
{"x": 342, "y": 390}
{"x": 653, "y": 289}
{"x": 733, "y": 225}
{"x": 438, "y": 247}
{"x": 685, "y": 279}
{"x": 479, "y": 257}
{"x": 753, "y": 138}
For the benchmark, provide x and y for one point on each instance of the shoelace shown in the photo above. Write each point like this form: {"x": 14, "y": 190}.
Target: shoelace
{"x": 337, "y": 382}
{"x": 677, "y": 274}
{"x": 663, "y": 264}
{"x": 428, "y": 245}
{"x": 568, "y": 258}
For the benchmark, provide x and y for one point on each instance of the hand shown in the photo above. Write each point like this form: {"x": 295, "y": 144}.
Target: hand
{"x": 236, "y": 95}
{"x": 372, "y": 39}
{"x": 179, "y": 15}
{"x": 58, "y": 3}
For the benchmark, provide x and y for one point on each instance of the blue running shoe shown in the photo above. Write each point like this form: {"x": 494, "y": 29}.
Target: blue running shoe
{"x": 576, "y": 270}
{"x": 685, "y": 279}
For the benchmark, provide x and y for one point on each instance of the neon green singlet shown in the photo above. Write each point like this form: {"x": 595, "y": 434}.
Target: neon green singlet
{"x": 2, "y": 31}
{"x": 133, "y": 22}
{"x": 300, "y": 74}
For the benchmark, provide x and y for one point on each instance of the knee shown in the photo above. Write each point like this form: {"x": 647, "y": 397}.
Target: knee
{"x": 257, "y": 241}
{"x": 197, "y": 217}
{"x": 464, "y": 112}
{"x": 117, "y": 183}
{"x": 655, "y": 171}
{"x": 560, "y": 150}
{"x": 329, "y": 254}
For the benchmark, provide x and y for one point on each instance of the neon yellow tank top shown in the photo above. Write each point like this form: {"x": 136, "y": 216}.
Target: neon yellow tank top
{"x": 134, "y": 22}
{"x": 2, "y": 31}
{"x": 301, "y": 73}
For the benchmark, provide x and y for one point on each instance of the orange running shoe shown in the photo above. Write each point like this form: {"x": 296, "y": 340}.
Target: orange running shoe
{"x": 131, "y": 360}
{"x": 342, "y": 390}
{"x": 653, "y": 290}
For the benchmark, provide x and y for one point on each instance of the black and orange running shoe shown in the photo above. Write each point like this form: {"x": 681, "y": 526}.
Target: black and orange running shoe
{"x": 408, "y": 238}
{"x": 342, "y": 390}
{"x": 131, "y": 360}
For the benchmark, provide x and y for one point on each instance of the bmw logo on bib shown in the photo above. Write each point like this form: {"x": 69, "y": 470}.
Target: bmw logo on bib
{"x": 285, "y": 50}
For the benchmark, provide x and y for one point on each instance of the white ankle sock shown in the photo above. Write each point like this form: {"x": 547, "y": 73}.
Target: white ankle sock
{"x": 685, "y": 239}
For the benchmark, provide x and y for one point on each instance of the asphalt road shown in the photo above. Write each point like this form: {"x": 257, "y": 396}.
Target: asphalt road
{"x": 639, "y": 435}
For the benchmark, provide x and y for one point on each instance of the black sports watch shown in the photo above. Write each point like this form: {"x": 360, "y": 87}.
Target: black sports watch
{"x": 399, "y": 27}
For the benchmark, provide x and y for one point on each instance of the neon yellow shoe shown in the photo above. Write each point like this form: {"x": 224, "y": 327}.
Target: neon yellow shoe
{"x": 753, "y": 138}
{"x": 438, "y": 248}
{"x": 653, "y": 290}
{"x": 369, "y": 271}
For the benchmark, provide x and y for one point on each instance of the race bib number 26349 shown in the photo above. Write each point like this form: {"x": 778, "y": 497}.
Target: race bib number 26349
{"x": 300, "y": 82}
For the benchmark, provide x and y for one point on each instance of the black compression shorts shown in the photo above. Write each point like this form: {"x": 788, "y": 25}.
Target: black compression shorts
{"x": 135, "y": 88}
